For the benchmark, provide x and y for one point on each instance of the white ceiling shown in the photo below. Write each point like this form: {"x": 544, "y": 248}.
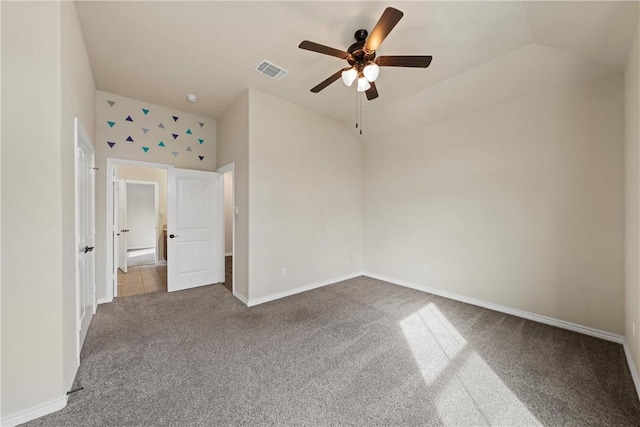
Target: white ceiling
{"x": 484, "y": 52}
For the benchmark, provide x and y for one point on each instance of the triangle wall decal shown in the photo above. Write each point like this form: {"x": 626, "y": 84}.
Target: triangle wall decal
{"x": 200, "y": 140}
{"x": 145, "y": 149}
{"x": 111, "y": 103}
{"x": 201, "y": 157}
{"x": 161, "y": 126}
{"x": 175, "y": 153}
{"x": 129, "y": 119}
{"x": 201, "y": 124}
{"x": 175, "y": 135}
{"x": 161, "y": 144}
{"x": 189, "y": 132}
{"x": 145, "y": 130}
{"x": 175, "y": 118}
{"x": 111, "y": 124}
{"x": 145, "y": 111}
{"x": 189, "y": 149}
{"x": 130, "y": 139}
{"x": 111, "y": 144}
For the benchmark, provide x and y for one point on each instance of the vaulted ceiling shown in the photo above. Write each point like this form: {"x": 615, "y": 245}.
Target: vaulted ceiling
{"x": 484, "y": 52}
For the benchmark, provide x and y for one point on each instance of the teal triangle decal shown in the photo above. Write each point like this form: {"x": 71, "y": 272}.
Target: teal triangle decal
{"x": 161, "y": 144}
{"x": 145, "y": 111}
{"x": 111, "y": 124}
{"x": 200, "y": 140}
{"x": 145, "y": 149}
{"x": 189, "y": 132}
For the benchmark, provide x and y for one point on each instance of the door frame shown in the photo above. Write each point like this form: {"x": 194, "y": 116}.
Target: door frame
{"x": 111, "y": 279}
{"x": 222, "y": 170}
{"x": 80, "y": 134}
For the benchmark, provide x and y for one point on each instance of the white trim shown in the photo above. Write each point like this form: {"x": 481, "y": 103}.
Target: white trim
{"x": 586, "y": 330}
{"x": 241, "y": 298}
{"x": 34, "y": 412}
{"x": 104, "y": 300}
{"x": 228, "y": 253}
{"x": 632, "y": 366}
{"x": 300, "y": 289}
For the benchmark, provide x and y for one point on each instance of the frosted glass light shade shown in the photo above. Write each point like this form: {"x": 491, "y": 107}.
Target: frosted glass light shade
{"x": 349, "y": 76}
{"x": 371, "y": 71}
{"x": 363, "y": 85}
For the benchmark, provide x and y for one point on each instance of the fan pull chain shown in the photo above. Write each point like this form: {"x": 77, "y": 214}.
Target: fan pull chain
{"x": 360, "y": 99}
{"x": 356, "y": 110}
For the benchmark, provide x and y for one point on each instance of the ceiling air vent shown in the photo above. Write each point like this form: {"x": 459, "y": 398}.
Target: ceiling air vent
{"x": 272, "y": 70}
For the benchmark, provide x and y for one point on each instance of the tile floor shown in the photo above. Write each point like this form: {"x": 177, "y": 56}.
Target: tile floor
{"x": 142, "y": 280}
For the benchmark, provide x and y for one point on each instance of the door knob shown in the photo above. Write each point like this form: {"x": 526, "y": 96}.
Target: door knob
{"x": 88, "y": 249}
{"x": 173, "y": 235}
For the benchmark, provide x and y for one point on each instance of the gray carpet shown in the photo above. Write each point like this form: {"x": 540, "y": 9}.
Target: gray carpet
{"x": 360, "y": 352}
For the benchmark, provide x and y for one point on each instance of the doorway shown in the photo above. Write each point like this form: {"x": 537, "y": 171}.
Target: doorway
{"x": 190, "y": 228}
{"x": 229, "y": 224}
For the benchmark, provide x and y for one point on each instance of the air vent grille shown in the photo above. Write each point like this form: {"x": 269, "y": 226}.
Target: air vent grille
{"x": 271, "y": 70}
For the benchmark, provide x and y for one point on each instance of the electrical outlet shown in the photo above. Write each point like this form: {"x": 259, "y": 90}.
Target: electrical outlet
{"x": 425, "y": 268}
{"x": 283, "y": 271}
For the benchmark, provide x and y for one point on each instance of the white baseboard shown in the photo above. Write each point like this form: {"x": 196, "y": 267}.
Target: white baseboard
{"x": 228, "y": 253}
{"x": 241, "y": 298}
{"x": 632, "y": 366}
{"x": 104, "y": 300}
{"x": 34, "y": 412}
{"x": 289, "y": 292}
{"x": 586, "y": 330}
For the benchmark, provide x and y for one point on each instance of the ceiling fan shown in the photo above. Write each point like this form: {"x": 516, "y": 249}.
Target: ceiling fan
{"x": 361, "y": 56}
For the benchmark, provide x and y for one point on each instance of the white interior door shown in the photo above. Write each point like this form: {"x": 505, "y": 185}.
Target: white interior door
{"x": 193, "y": 221}
{"x": 122, "y": 225}
{"x": 85, "y": 233}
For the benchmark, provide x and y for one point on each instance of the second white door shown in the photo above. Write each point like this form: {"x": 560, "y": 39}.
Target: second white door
{"x": 193, "y": 228}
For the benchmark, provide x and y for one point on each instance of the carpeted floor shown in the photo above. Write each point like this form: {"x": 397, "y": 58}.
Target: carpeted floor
{"x": 360, "y": 352}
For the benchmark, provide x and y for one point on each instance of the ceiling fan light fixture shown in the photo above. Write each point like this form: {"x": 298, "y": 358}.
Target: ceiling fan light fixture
{"x": 363, "y": 85}
{"x": 349, "y": 76}
{"x": 371, "y": 71}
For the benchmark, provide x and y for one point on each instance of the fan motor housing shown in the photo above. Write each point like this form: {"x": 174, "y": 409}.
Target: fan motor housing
{"x": 358, "y": 57}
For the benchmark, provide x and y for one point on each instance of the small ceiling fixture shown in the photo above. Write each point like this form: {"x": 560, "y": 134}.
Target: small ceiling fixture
{"x": 191, "y": 97}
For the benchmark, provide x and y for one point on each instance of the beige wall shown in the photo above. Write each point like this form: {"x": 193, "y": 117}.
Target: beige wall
{"x": 46, "y": 82}
{"x": 632, "y": 265}
{"x": 305, "y": 199}
{"x": 520, "y": 205}
{"x": 233, "y": 147}
{"x": 151, "y": 175}
{"x": 123, "y": 149}
{"x": 78, "y": 100}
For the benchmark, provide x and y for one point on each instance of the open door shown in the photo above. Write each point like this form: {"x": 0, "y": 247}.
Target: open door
{"x": 85, "y": 233}
{"x": 122, "y": 224}
{"x": 193, "y": 228}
